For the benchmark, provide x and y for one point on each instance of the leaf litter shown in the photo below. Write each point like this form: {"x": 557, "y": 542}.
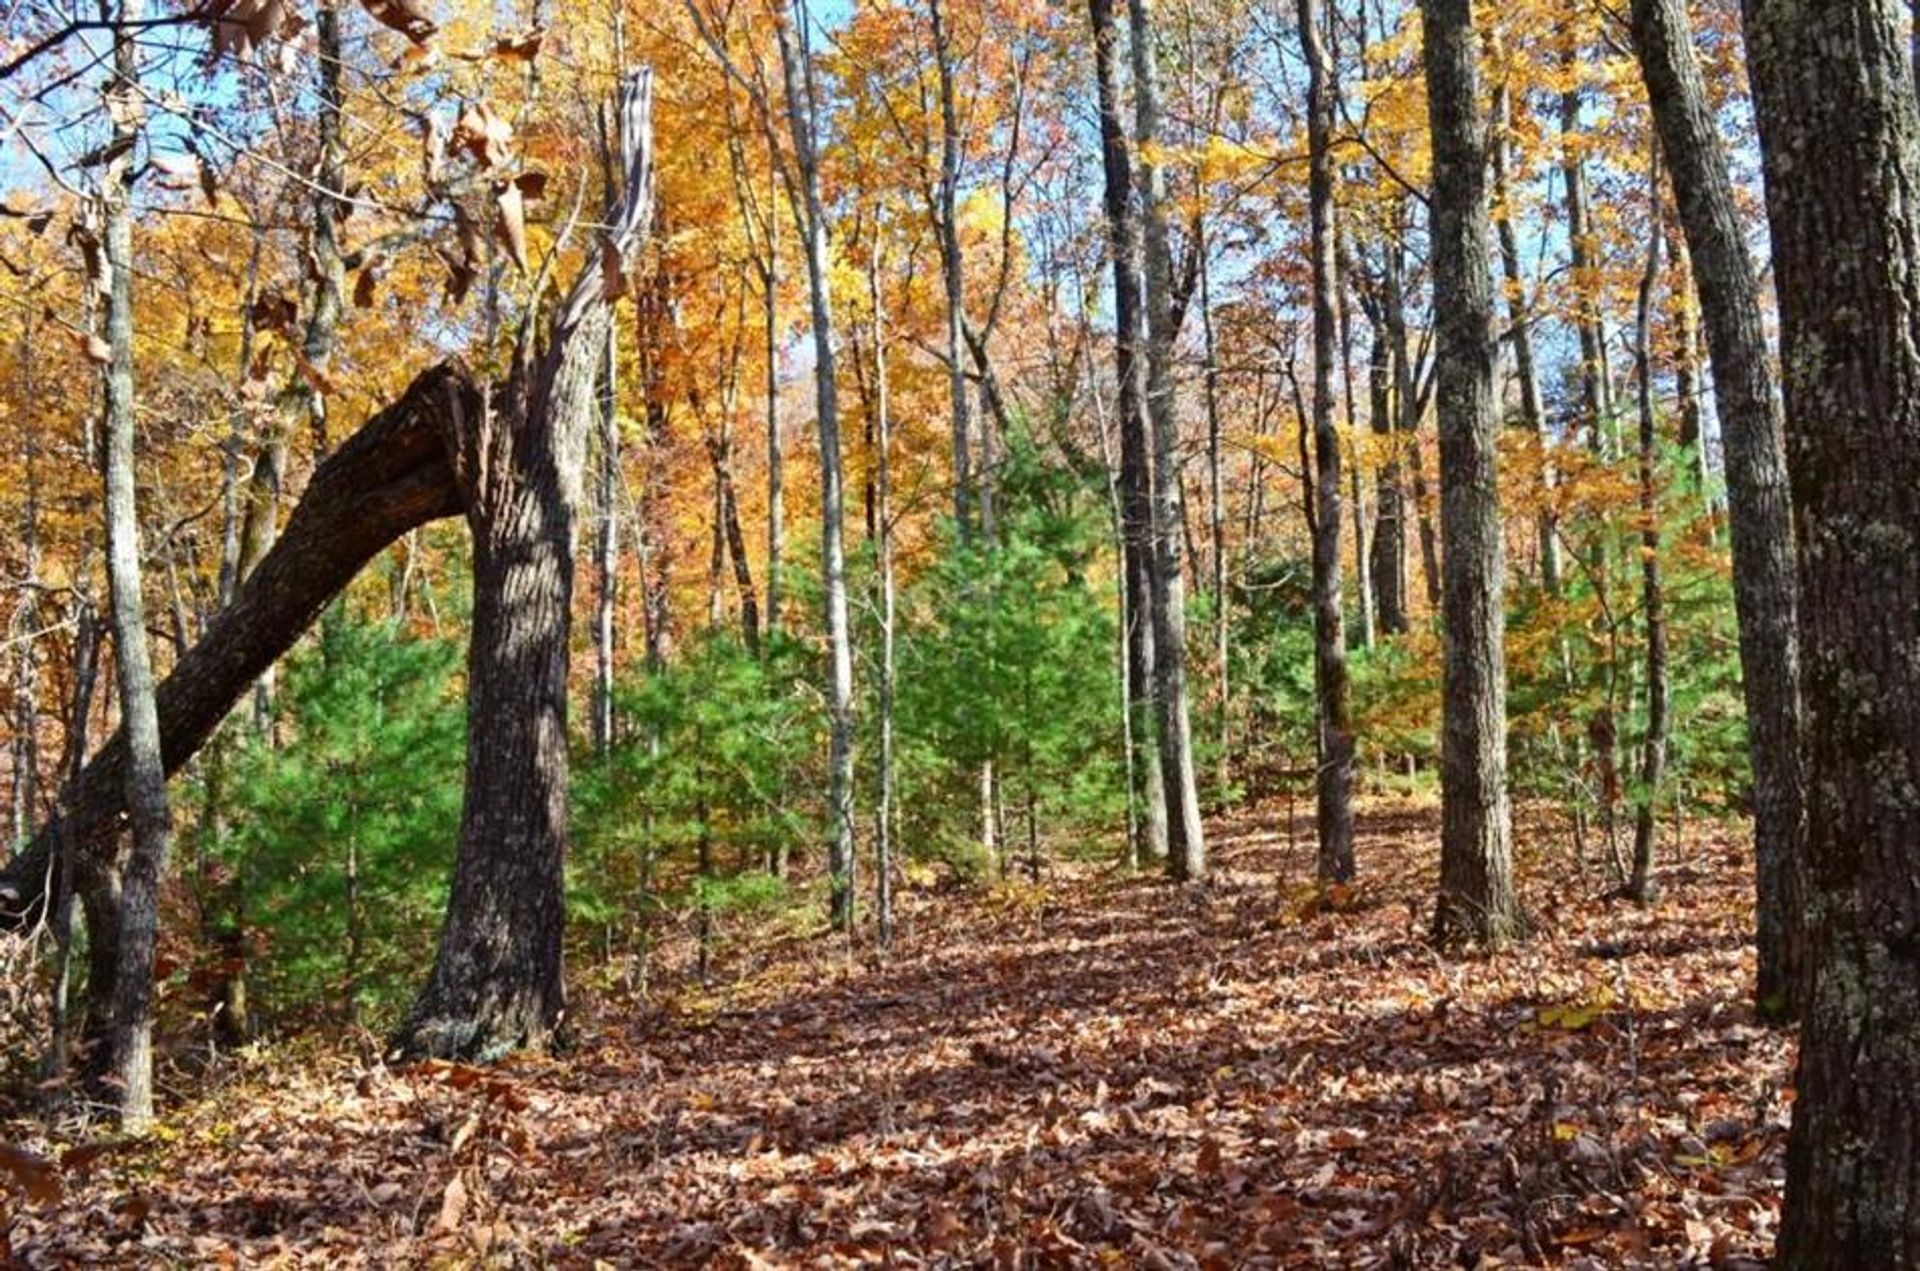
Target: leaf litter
{"x": 1102, "y": 1070}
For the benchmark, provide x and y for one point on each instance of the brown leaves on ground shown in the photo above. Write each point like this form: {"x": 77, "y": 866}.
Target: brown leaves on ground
{"x": 1120, "y": 1074}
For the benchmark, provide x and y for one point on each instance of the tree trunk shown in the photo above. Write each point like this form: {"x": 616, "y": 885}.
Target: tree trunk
{"x": 1477, "y": 902}
{"x": 144, "y": 774}
{"x": 883, "y": 513}
{"x": 1333, "y": 785}
{"x": 1186, "y": 837}
{"x": 797, "y": 73}
{"x": 1217, "y": 527}
{"x": 1533, "y": 413}
{"x": 497, "y": 981}
{"x": 1388, "y": 567}
{"x": 393, "y": 476}
{"x": 1834, "y": 96}
{"x": 1136, "y": 464}
{"x": 1759, "y": 511}
{"x": 953, "y": 273}
{"x": 1594, "y": 380}
{"x": 1653, "y": 747}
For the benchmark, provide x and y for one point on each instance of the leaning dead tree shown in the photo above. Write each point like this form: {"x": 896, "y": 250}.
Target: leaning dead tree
{"x": 508, "y": 457}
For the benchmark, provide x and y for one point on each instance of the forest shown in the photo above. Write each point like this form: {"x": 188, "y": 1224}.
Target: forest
{"x": 1011, "y": 633}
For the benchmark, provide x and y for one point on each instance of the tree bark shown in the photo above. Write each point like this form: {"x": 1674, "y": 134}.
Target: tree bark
{"x": 144, "y": 775}
{"x": 1477, "y": 902}
{"x": 1641, "y": 886}
{"x": 1186, "y": 836}
{"x": 1758, "y": 505}
{"x": 1333, "y": 785}
{"x": 391, "y": 477}
{"x": 1136, "y": 464}
{"x": 1834, "y": 97}
{"x": 953, "y": 272}
{"x": 497, "y": 981}
{"x": 797, "y": 73}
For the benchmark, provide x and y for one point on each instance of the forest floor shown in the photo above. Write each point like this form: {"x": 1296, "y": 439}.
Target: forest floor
{"x": 1101, "y": 1071}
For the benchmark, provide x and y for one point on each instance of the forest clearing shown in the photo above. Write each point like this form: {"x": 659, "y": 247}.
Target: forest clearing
{"x": 1093, "y": 1071}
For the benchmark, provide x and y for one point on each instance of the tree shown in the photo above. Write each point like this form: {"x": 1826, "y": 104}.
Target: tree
{"x": 497, "y": 982}
{"x": 1834, "y": 97}
{"x": 144, "y": 774}
{"x": 1477, "y": 902}
{"x": 1186, "y": 837}
{"x": 1334, "y": 783}
{"x": 1759, "y": 514}
{"x": 1136, "y": 461}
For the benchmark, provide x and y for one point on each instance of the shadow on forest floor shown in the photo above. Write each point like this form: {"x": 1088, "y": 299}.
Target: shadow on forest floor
{"x": 1103, "y": 1071}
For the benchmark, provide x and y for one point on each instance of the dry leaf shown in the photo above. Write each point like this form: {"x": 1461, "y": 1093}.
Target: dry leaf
{"x": 484, "y": 134}
{"x": 521, "y": 48}
{"x": 32, "y": 1172}
{"x": 405, "y": 16}
{"x": 453, "y": 1204}
{"x": 512, "y": 221}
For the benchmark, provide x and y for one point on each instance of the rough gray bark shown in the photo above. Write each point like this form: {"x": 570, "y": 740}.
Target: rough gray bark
{"x": 497, "y": 982}
{"x": 1186, "y": 836}
{"x": 144, "y": 776}
{"x": 1477, "y": 902}
{"x": 1834, "y": 96}
{"x": 1759, "y": 509}
{"x": 1333, "y": 785}
{"x": 1136, "y": 463}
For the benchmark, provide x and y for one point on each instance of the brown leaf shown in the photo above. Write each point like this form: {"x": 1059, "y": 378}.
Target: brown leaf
{"x": 613, "y": 270}
{"x": 483, "y": 133}
{"x": 366, "y": 284}
{"x": 512, "y": 221}
{"x": 404, "y": 16}
{"x": 532, "y": 184}
{"x": 274, "y": 311}
{"x": 521, "y": 48}
{"x": 32, "y": 1172}
{"x": 453, "y": 1204}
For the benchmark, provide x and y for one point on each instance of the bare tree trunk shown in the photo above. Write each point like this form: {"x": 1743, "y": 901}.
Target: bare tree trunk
{"x": 1653, "y": 749}
{"x": 1759, "y": 511}
{"x": 1595, "y": 383}
{"x": 393, "y": 476}
{"x": 1186, "y": 836}
{"x": 776, "y": 468}
{"x": 1388, "y": 566}
{"x": 1217, "y": 525}
{"x": 1520, "y": 322}
{"x": 1136, "y": 463}
{"x": 1477, "y": 902}
{"x": 953, "y": 272}
{"x": 606, "y": 544}
{"x": 883, "y": 513}
{"x": 797, "y": 72}
{"x": 1834, "y": 97}
{"x": 145, "y": 775}
{"x": 1333, "y": 785}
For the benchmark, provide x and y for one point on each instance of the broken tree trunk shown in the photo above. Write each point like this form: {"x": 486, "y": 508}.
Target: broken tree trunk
{"x": 391, "y": 477}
